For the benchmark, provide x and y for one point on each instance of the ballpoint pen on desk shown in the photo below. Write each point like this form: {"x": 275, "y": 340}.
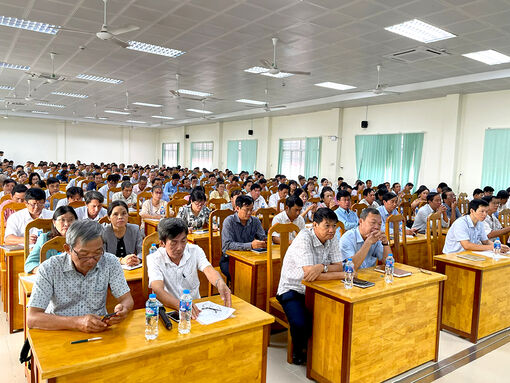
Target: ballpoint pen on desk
{"x": 86, "y": 340}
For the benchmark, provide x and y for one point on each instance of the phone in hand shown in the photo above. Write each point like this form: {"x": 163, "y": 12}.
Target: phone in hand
{"x": 173, "y": 315}
{"x": 108, "y": 316}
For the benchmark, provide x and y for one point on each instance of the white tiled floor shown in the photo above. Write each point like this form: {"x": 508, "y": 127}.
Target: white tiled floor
{"x": 493, "y": 367}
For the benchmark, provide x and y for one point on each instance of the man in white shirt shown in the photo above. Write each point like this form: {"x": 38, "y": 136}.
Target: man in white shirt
{"x": 174, "y": 267}
{"x": 126, "y": 195}
{"x": 140, "y": 186}
{"x": 433, "y": 205}
{"x": 53, "y": 185}
{"x": 73, "y": 194}
{"x": 283, "y": 192}
{"x": 258, "y": 201}
{"x": 15, "y": 230}
{"x": 111, "y": 182}
{"x": 93, "y": 208}
{"x": 369, "y": 198}
{"x": 292, "y": 214}
{"x": 43, "y": 171}
{"x": 492, "y": 226}
{"x": 8, "y": 186}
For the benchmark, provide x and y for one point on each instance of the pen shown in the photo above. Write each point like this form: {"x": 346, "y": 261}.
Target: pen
{"x": 86, "y": 340}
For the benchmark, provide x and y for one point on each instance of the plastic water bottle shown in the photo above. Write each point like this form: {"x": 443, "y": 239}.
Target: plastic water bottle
{"x": 47, "y": 204}
{"x": 151, "y": 318}
{"x": 162, "y": 210}
{"x": 153, "y": 248}
{"x": 349, "y": 273}
{"x": 185, "y": 306}
{"x": 40, "y": 231}
{"x": 497, "y": 248}
{"x": 388, "y": 270}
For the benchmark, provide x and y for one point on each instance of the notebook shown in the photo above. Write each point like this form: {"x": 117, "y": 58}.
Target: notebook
{"x": 398, "y": 273}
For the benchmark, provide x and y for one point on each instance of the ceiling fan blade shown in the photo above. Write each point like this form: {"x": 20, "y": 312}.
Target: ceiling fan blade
{"x": 266, "y": 63}
{"x": 296, "y": 72}
{"x": 120, "y": 43}
{"x": 75, "y": 81}
{"x": 174, "y": 93}
{"x": 123, "y": 29}
{"x": 278, "y": 107}
{"x": 66, "y": 29}
{"x": 389, "y": 92}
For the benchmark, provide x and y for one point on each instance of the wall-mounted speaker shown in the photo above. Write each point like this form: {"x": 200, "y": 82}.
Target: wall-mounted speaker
{"x": 364, "y": 124}
{"x": 187, "y": 136}
{"x": 250, "y": 132}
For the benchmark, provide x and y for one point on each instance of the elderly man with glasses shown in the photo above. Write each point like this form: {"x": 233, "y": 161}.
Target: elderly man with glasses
{"x": 71, "y": 288}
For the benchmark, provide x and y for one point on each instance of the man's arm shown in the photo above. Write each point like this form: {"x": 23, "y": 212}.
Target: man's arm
{"x": 470, "y": 246}
{"x": 316, "y": 272}
{"x": 217, "y": 281}
{"x": 498, "y": 233}
{"x": 37, "y": 318}
{"x": 158, "y": 287}
{"x": 13, "y": 240}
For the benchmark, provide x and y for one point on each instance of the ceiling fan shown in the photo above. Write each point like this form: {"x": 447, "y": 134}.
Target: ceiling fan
{"x": 106, "y": 33}
{"x": 126, "y": 108}
{"x": 273, "y": 68}
{"x": 379, "y": 88}
{"x": 51, "y": 78}
{"x": 266, "y": 106}
{"x": 29, "y": 97}
{"x": 96, "y": 116}
{"x": 176, "y": 94}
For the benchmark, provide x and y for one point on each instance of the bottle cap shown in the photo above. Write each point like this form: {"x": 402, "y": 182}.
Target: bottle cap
{"x": 349, "y": 259}
{"x": 186, "y": 291}
{"x": 390, "y": 255}
{"x": 153, "y": 244}
{"x": 152, "y": 296}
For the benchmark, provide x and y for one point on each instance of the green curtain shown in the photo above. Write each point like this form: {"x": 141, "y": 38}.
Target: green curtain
{"x": 280, "y": 156}
{"x": 192, "y": 154}
{"x": 411, "y": 155}
{"x": 232, "y": 156}
{"x": 496, "y": 166}
{"x": 248, "y": 155}
{"x": 312, "y": 156}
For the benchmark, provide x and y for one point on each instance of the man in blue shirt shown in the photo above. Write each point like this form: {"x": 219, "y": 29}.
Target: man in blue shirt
{"x": 171, "y": 187}
{"x": 367, "y": 243}
{"x": 389, "y": 207}
{"x": 344, "y": 212}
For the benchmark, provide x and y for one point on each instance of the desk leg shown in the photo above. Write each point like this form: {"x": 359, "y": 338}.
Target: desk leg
{"x": 14, "y": 309}
{"x": 310, "y": 304}
{"x": 265, "y": 345}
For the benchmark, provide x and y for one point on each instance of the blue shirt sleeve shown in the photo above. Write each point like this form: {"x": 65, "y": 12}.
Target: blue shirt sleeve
{"x": 347, "y": 245}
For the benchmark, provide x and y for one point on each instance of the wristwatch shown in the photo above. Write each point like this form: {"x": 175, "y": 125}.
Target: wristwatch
{"x": 325, "y": 269}
{"x": 385, "y": 244}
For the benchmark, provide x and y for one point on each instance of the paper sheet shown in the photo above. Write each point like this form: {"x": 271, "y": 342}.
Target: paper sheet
{"x": 490, "y": 254}
{"x": 29, "y": 278}
{"x": 212, "y": 312}
{"x": 126, "y": 267}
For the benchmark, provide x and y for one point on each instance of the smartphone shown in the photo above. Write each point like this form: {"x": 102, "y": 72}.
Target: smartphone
{"x": 173, "y": 315}
{"x": 108, "y": 316}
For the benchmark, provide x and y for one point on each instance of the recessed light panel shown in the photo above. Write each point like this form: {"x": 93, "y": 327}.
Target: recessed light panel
{"x": 154, "y": 49}
{"x": 75, "y": 95}
{"x": 199, "y": 111}
{"x": 90, "y": 77}
{"x": 334, "y": 85}
{"x": 28, "y": 25}
{"x": 420, "y": 31}
{"x": 489, "y": 57}
{"x": 252, "y": 102}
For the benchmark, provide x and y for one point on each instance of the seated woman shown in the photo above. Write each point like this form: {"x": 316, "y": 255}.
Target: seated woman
{"x": 422, "y": 194}
{"x": 220, "y": 191}
{"x": 63, "y": 217}
{"x": 327, "y": 198}
{"x": 196, "y": 214}
{"x": 122, "y": 238}
{"x": 33, "y": 179}
{"x": 309, "y": 208}
{"x": 155, "y": 207}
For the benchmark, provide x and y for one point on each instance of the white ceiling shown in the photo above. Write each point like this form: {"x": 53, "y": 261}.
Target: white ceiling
{"x": 337, "y": 40}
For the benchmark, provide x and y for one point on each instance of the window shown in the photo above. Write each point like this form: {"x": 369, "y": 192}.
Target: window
{"x": 170, "y": 155}
{"x": 495, "y": 167}
{"x": 299, "y": 156}
{"x": 242, "y": 155}
{"x": 202, "y": 154}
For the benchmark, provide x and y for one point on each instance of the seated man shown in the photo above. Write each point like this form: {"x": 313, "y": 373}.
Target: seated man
{"x": 367, "y": 243}
{"x": 258, "y": 201}
{"x": 171, "y": 187}
{"x": 390, "y": 208}
{"x": 8, "y": 185}
{"x": 111, "y": 182}
{"x": 241, "y": 231}
{"x": 232, "y": 203}
{"x": 407, "y": 189}
{"x": 174, "y": 267}
{"x": 369, "y": 198}
{"x": 468, "y": 233}
{"x": 93, "y": 208}
{"x": 492, "y": 226}
{"x": 433, "y": 205}
{"x": 98, "y": 179}
{"x": 15, "y": 229}
{"x": 283, "y": 192}
{"x": 126, "y": 195}
{"x": 488, "y": 191}
{"x": 344, "y": 212}
{"x": 74, "y": 194}
{"x": 313, "y": 255}
{"x": 18, "y": 196}
{"x": 450, "y": 202}
{"x": 503, "y": 200}
{"x": 140, "y": 186}
{"x": 477, "y": 194}
{"x": 292, "y": 214}
{"x": 71, "y": 288}
{"x": 53, "y": 185}
{"x": 186, "y": 186}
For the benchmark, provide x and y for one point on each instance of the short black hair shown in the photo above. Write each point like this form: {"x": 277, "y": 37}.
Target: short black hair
{"x": 256, "y": 186}
{"x": 294, "y": 200}
{"x": 169, "y": 228}
{"x": 389, "y": 196}
{"x": 431, "y": 196}
{"x": 9, "y": 181}
{"x": 477, "y": 191}
{"x": 442, "y": 185}
{"x": 324, "y": 190}
{"x": 489, "y": 198}
{"x": 235, "y": 192}
{"x": 52, "y": 180}
{"x": 366, "y": 191}
{"x": 73, "y": 191}
{"x": 503, "y": 194}
{"x": 324, "y": 213}
{"x": 283, "y": 186}
{"x": 244, "y": 200}
{"x": 476, "y": 203}
{"x": 35, "y": 194}
{"x": 19, "y": 188}
{"x": 488, "y": 189}
{"x": 114, "y": 204}
{"x": 197, "y": 195}
{"x": 175, "y": 176}
{"x": 340, "y": 194}
{"x": 410, "y": 184}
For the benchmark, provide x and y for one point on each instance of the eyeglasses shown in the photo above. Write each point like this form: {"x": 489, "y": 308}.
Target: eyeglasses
{"x": 34, "y": 204}
{"x": 64, "y": 221}
{"x": 83, "y": 257}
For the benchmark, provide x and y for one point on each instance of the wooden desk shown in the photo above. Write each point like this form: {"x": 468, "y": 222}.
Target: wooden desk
{"x": 234, "y": 350}
{"x": 202, "y": 240}
{"x": 151, "y": 225}
{"x": 15, "y": 263}
{"x": 417, "y": 255}
{"x": 370, "y": 335}
{"x": 476, "y": 297}
{"x": 248, "y": 272}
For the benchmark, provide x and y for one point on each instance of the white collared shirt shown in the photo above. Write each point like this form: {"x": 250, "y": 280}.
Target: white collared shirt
{"x": 83, "y": 213}
{"x": 18, "y": 221}
{"x": 284, "y": 218}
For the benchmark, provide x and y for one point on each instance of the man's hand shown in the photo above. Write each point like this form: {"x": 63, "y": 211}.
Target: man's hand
{"x": 505, "y": 249}
{"x": 313, "y": 272}
{"x": 411, "y": 231}
{"x": 90, "y": 323}
{"x": 224, "y": 293}
{"x": 33, "y": 238}
{"x": 373, "y": 237}
{"x": 130, "y": 260}
{"x": 120, "y": 314}
{"x": 194, "y": 312}
{"x": 442, "y": 209}
{"x": 256, "y": 244}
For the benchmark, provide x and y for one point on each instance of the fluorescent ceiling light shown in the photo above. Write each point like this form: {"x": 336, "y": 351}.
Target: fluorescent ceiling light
{"x": 334, "y": 85}
{"x": 39, "y": 112}
{"x": 253, "y": 102}
{"x": 194, "y": 93}
{"x": 265, "y": 72}
{"x": 75, "y": 95}
{"x": 96, "y": 118}
{"x": 116, "y": 112}
{"x": 136, "y": 122}
{"x": 90, "y": 77}
{"x": 418, "y": 30}
{"x": 28, "y": 25}
{"x": 50, "y": 105}
{"x": 199, "y": 111}
{"x": 146, "y": 104}
{"x": 163, "y": 117}
{"x": 6, "y": 87}
{"x": 154, "y": 49}
{"x": 14, "y": 66}
{"x": 489, "y": 57}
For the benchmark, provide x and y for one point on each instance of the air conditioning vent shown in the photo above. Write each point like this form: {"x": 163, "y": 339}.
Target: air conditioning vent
{"x": 416, "y": 54}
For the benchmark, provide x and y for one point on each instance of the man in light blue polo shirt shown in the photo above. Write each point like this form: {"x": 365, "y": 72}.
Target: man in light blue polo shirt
{"x": 389, "y": 207}
{"x": 467, "y": 232}
{"x": 367, "y": 243}
{"x": 344, "y": 212}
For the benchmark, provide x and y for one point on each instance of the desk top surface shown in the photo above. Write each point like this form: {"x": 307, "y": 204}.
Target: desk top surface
{"x": 253, "y": 258}
{"x": 127, "y": 340}
{"x": 336, "y": 287}
{"x": 487, "y": 264}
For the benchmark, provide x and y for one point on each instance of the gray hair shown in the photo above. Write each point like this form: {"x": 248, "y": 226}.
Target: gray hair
{"x": 83, "y": 231}
{"x": 125, "y": 184}
{"x": 92, "y": 195}
{"x": 369, "y": 210}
